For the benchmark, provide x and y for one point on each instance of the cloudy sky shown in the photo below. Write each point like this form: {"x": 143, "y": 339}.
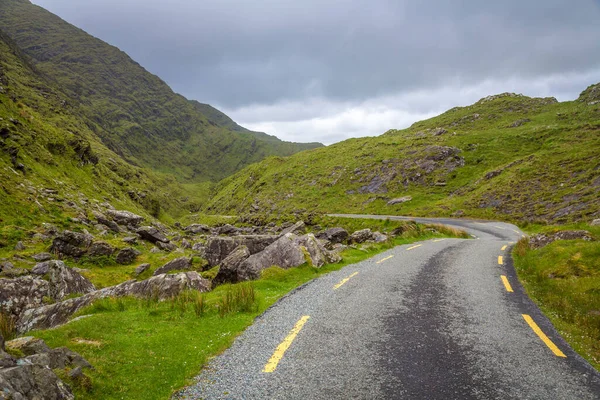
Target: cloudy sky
{"x": 326, "y": 70}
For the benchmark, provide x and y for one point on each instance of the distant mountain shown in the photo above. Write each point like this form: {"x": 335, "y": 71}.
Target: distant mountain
{"x": 133, "y": 112}
{"x": 507, "y": 157}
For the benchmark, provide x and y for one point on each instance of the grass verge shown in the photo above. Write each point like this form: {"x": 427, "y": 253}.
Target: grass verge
{"x": 146, "y": 349}
{"x": 563, "y": 279}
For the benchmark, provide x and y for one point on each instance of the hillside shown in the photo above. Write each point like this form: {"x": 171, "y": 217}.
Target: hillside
{"x": 507, "y": 157}
{"x": 135, "y": 114}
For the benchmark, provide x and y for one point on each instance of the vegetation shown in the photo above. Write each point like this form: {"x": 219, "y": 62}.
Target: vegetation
{"x": 507, "y": 157}
{"x": 563, "y": 278}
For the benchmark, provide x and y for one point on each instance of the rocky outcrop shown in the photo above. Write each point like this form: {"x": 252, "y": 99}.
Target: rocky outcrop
{"x": 127, "y": 256}
{"x": 141, "y": 269}
{"x": 334, "y": 235}
{"x": 176, "y": 264}
{"x": 152, "y": 234}
{"x": 22, "y": 293}
{"x": 125, "y": 218}
{"x": 163, "y": 286}
{"x": 64, "y": 281}
{"x": 228, "y": 269}
{"x": 399, "y": 200}
{"x": 319, "y": 255}
{"x": 197, "y": 229}
{"x": 595, "y": 222}
{"x": 297, "y": 228}
{"x": 361, "y": 236}
{"x": 100, "y": 249}
{"x": 102, "y": 219}
{"x": 40, "y": 257}
{"x": 73, "y": 244}
{"x": 218, "y": 248}
{"x": 541, "y": 240}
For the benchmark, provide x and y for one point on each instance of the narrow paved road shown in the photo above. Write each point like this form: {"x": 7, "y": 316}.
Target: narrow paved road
{"x": 431, "y": 320}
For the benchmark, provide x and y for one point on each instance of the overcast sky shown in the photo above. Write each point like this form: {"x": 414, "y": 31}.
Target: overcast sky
{"x": 327, "y": 70}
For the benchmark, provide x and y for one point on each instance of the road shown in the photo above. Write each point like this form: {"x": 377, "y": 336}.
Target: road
{"x": 439, "y": 319}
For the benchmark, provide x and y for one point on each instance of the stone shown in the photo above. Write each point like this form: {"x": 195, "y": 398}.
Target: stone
{"x": 399, "y": 200}
{"x": 297, "y": 228}
{"x": 541, "y": 240}
{"x": 6, "y": 265}
{"x": 130, "y": 240}
{"x": 100, "y": 249}
{"x": 127, "y": 255}
{"x": 361, "y": 236}
{"x": 438, "y": 132}
{"x": 22, "y": 293}
{"x": 595, "y": 222}
{"x": 284, "y": 253}
{"x": 41, "y": 268}
{"x": 227, "y": 229}
{"x": 141, "y": 269}
{"x": 218, "y": 248}
{"x": 197, "y": 229}
{"x": 28, "y": 345}
{"x": 185, "y": 244}
{"x": 317, "y": 252}
{"x": 151, "y": 234}
{"x": 334, "y": 235}
{"x": 42, "y": 257}
{"x": 125, "y": 217}
{"x": 64, "y": 281}
{"x": 72, "y": 244}
{"x": 176, "y": 264}
{"x": 32, "y": 382}
{"x": 379, "y": 237}
{"x": 228, "y": 269}
{"x": 19, "y": 246}
{"x": 166, "y": 246}
{"x": 102, "y": 219}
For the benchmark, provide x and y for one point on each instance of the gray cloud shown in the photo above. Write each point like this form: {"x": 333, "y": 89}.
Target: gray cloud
{"x": 314, "y": 59}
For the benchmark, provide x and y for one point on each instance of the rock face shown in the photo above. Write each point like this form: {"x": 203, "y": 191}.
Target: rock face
{"x": 125, "y": 217}
{"x": 22, "y": 293}
{"x": 163, "y": 286}
{"x": 151, "y": 234}
{"x": 73, "y": 244}
{"x": 178, "y": 263}
{"x": 361, "y": 236}
{"x": 334, "y": 235}
{"x": 542, "y": 240}
{"x": 218, "y": 248}
{"x": 141, "y": 269}
{"x": 284, "y": 253}
{"x": 100, "y": 249}
{"x": 399, "y": 200}
{"x": 228, "y": 270}
{"x": 64, "y": 281}
{"x": 127, "y": 256}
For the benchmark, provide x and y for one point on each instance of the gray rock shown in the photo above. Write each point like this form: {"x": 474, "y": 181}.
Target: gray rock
{"x": 100, "y": 249}
{"x": 102, "y": 219}
{"x": 379, "y": 237}
{"x": 317, "y": 253}
{"x": 127, "y": 256}
{"x": 595, "y": 222}
{"x": 6, "y": 265}
{"x": 228, "y": 269}
{"x": 218, "y": 248}
{"x": 297, "y": 228}
{"x": 41, "y": 268}
{"x": 399, "y": 200}
{"x": 152, "y": 234}
{"x": 284, "y": 253}
{"x": 334, "y": 235}
{"x": 227, "y": 229}
{"x": 141, "y": 269}
{"x": 64, "y": 281}
{"x": 42, "y": 257}
{"x": 176, "y": 264}
{"x": 361, "y": 236}
{"x": 198, "y": 229}
{"x": 32, "y": 382}
{"x": 185, "y": 244}
{"x": 22, "y": 293}
{"x": 130, "y": 240}
{"x": 72, "y": 244}
{"x": 541, "y": 240}
{"x": 438, "y": 132}
{"x": 19, "y": 246}
{"x": 169, "y": 247}
{"x": 29, "y": 345}
{"x": 125, "y": 217}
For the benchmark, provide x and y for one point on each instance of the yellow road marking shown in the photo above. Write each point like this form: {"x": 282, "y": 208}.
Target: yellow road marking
{"x": 516, "y": 231}
{"x": 414, "y": 247}
{"x": 500, "y": 260}
{"x": 499, "y": 227}
{"x": 438, "y": 240}
{"x": 383, "y": 259}
{"x": 506, "y": 283}
{"x": 283, "y": 346}
{"x": 504, "y": 247}
{"x": 345, "y": 280}
{"x": 543, "y": 336}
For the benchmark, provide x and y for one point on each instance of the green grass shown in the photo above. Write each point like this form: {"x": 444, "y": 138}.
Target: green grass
{"x": 146, "y": 349}
{"x": 563, "y": 279}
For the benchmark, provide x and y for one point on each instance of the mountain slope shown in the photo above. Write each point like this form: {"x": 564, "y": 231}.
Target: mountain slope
{"x": 507, "y": 156}
{"x": 134, "y": 112}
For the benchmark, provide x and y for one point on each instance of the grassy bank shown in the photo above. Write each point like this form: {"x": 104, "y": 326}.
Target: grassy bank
{"x": 145, "y": 349}
{"x": 563, "y": 278}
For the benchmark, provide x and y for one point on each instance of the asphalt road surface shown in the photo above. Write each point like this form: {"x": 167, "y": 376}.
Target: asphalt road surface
{"x": 439, "y": 319}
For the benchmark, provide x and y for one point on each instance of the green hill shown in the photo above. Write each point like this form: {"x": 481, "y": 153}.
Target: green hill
{"x": 507, "y": 156}
{"x": 135, "y": 114}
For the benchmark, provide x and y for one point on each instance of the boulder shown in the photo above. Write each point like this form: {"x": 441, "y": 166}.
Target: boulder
{"x": 41, "y": 268}
{"x": 130, "y": 240}
{"x": 103, "y": 220}
{"x": 100, "y": 249}
{"x": 227, "y": 229}
{"x": 595, "y": 222}
{"x": 334, "y": 235}
{"x": 297, "y": 228}
{"x": 361, "y": 236}
{"x": 198, "y": 229}
{"x": 176, "y": 264}
{"x": 42, "y": 257}
{"x": 169, "y": 247}
{"x": 315, "y": 250}
{"x": 541, "y": 240}
{"x": 58, "y": 358}
{"x": 218, "y": 248}
{"x": 141, "y": 269}
{"x": 228, "y": 269}
{"x": 125, "y": 217}
{"x": 399, "y": 200}
{"x": 22, "y": 293}
{"x": 379, "y": 237}
{"x": 28, "y": 345}
{"x": 127, "y": 256}
{"x": 6, "y": 360}
{"x": 284, "y": 253}
{"x": 19, "y": 246}
{"x": 6, "y": 265}
{"x": 185, "y": 244}
{"x": 64, "y": 281}
{"x": 32, "y": 382}
{"x": 152, "y": 234}
{"x": 72, "y": 244}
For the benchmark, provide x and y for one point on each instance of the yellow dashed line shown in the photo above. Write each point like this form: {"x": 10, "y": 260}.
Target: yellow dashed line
{"x": 506, "y": 283}
{"x": 500, "y": 260}
{"x": 414, "y": 247}
{"x": 499, "y": 227}
{"x": 438, "y": 240}
{"x": 383, "y": 259}
{"x": 504, "y": 247}
{"x": 543, "y": 336}
{"x": 283, "y": 346}
{"x": 345, "y": 280}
